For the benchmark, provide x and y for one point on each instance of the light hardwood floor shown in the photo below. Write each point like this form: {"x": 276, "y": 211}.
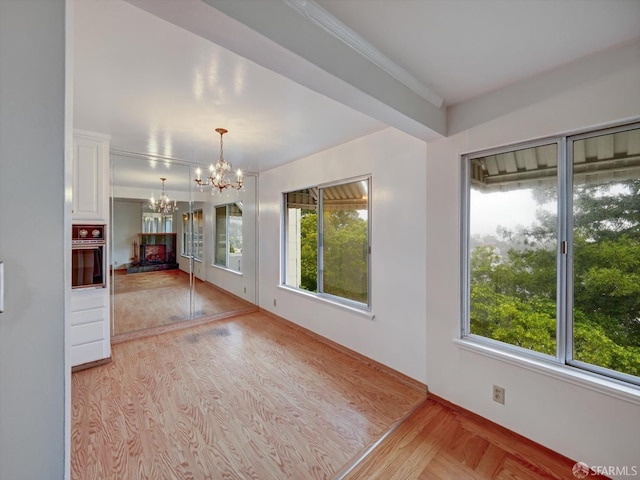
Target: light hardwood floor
{"x": 246, "y": 397}
{"x": 440, "y": 441}
{"x": 153, "y": 299}
{"x": 252, "y": 397}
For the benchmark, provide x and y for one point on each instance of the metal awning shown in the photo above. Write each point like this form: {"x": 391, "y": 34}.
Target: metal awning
{"x": 347, "y": 195}
{"x": 595, "y": 159}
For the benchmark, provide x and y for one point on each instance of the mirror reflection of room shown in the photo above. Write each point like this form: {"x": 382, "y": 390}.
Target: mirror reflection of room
{"x": 166, "y": 266}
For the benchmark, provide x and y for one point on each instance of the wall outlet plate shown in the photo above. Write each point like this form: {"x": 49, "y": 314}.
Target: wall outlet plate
{"x": 498, "y": 394}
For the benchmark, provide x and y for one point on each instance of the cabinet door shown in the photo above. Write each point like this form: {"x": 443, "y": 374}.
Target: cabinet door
{"x": 90, "y": 169}
{"x": 90, "y": 335}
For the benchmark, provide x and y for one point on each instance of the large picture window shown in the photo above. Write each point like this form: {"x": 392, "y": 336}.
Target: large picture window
{"x": 552, "y": 250}
{"x": 327, "y": 241}
{"x": 228, "y": 235}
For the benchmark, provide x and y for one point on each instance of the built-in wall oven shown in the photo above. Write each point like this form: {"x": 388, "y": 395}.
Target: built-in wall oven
{"x": 88, "y": 262}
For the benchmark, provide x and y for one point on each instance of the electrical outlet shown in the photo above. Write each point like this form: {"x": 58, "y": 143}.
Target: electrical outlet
{"x": 245, "y": 289}
{"x": 498, "y": 394}
{"x": 274, "y": 302}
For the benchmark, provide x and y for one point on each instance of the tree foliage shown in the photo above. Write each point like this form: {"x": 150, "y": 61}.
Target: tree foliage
{"x": 309, "y": 251}
{"x": 513, "y": 293}
{"x": 344, "y": 253}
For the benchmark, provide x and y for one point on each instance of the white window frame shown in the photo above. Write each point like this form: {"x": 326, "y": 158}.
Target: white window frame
{"x": 351, "y": 304}
{"x": 189, "y": 241}
{"x": 227, "y": 207}
{"x": 187, "y": 226}
{"x": 564, "y": 255}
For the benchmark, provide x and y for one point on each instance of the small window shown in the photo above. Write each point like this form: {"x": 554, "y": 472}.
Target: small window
{"x": 157, "y": 223}
{"x": 327, "y": 241}
{"x": 192, "y": 234}
{"x": 186, "y": 234}
{"x": 228, "y": 235}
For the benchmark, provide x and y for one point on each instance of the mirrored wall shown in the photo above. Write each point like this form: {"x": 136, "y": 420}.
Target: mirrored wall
{"x": 178, "y": 252}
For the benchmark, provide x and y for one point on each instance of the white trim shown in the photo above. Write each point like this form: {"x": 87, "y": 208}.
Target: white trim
{"x": 220, "y": 267}
{"x": 318, "y": 15}
{"x": 591, "y": 381}
{"x": 319, "y": 298}
{"x": 91, "y": 135}
{"x": 67, "y": 220}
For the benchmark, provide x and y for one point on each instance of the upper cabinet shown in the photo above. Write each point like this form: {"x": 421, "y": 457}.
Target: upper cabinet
{"x": 90, "y": 176}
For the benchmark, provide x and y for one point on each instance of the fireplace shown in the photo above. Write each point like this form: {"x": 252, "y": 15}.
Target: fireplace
{"x": 152, "y": 253}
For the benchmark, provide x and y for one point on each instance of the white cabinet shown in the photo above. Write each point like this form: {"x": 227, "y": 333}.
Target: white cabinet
{"x": 90, "y": 326}
{"x": 90, "y": 177}
{"x": 90, "y": 329}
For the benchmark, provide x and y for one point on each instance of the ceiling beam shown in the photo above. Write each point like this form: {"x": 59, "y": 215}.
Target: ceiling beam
{"x": 276, "y": 36}
{"x": 313, "y": 12}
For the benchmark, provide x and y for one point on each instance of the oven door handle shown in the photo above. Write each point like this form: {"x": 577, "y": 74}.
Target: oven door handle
{"x": 87, "y": 247}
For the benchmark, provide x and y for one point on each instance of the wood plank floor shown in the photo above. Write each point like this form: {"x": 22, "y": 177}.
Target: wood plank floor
{"x": 152, "y": 299}
{"x": 443, "y": 443}
{"x": 247, "y": 398}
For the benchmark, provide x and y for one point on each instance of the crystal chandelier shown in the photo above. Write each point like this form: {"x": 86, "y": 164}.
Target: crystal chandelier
{"x": 163, "y": 204}
{"x": 217, "y": 178}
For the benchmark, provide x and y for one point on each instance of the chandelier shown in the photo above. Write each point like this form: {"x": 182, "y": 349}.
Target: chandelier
{"x": 163, "y": 204}
{"x": 217, "y": 178}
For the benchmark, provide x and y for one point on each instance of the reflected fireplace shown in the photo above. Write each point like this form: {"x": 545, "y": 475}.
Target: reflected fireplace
{"x": 157, "y": 251}
{"x": 153, "y": 253}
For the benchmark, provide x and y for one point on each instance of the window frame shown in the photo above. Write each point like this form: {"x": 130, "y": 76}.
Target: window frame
{"x": 227, "y": 207}
{"x": 563, "y": 357}
{"x": 465, "y": 254}
{"x": 189, "y": 248}
{"x": 335, "y": 299}
{"x": 187, "y": 229}
{"x": 569, "y": 324}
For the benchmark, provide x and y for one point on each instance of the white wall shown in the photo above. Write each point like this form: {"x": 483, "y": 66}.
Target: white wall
{"x": 397, "y": 335}
{"x": 242, "y": 285}
{"x": 33, "y": 374}
{"x": 578, "y": 422}
{"x": 126, "y": 224}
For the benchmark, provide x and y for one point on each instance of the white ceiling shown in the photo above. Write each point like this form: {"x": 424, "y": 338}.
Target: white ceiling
{"x": 156, "y": 88}
{"x": 464, "y": 48}
{"x": 159, "y": 89}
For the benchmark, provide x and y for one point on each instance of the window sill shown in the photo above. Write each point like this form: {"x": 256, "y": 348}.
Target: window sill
{"x": 220, "y": 267}
{"x": 590, "y": 381}
{"x": 327, "y": 301}
{"x": 199, "y": 260}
